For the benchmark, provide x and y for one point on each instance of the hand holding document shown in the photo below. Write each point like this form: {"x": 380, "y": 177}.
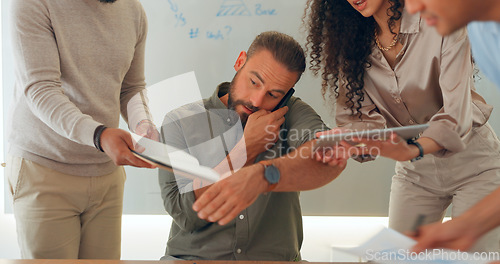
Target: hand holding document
{"x": 173, "y": 159}
{"x": 390, "y": 246}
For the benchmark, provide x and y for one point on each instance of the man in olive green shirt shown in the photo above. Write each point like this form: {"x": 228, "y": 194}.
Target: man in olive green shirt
{"x": 235, "y": 127}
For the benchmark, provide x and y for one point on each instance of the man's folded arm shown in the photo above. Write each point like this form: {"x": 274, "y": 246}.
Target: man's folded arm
{"x": 299, "y": 171}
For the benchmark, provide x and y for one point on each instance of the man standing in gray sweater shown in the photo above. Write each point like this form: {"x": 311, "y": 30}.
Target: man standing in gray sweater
{"x": 78, "y": 64}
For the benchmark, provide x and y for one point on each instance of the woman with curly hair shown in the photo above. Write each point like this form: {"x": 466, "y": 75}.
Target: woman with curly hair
{"x": 386, "y": 68}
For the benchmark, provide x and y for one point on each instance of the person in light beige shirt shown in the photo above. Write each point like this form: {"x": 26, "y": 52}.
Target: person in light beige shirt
{"x": 412, "y": 76}
{"x": 387, "y": 68}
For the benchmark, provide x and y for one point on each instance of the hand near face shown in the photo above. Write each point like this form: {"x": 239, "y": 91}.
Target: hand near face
{"x": 224, "y": 200}
{"x": 262, "y": 129}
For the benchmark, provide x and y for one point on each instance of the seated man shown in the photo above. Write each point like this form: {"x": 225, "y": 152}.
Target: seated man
{"x": 271, "y": 228}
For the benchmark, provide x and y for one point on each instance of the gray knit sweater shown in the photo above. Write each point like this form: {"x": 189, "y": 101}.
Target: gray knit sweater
{"x": 78, "y": 62}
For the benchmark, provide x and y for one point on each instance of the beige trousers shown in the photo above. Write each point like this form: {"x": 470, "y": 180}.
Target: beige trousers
{"x": 430, "y": 185}
{"x": 60, "y": 216}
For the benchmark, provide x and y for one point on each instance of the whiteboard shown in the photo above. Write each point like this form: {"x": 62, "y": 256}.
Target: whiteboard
{"x": 206, "y": 37}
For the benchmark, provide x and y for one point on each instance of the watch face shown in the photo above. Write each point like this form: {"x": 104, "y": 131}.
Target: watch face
{"x": 272, "y": 174}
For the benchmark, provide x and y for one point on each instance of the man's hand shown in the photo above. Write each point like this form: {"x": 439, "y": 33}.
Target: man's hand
{"x": 225, "y": 199}
{"x": 463, "y": 231}
{"x": 299, "y": 171}
{"x": 334, "y": 155}
{"x": 260, "y": 134}
{"x": 146, "y": 128}
{"x": 117, "y": 144}
{"x": 457, "y": 234}
{"x": 262, "y": 130}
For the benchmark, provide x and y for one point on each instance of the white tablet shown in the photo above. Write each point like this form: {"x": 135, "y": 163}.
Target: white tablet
{"x": 406, "y": 132}
{"x": 190, "y": 172}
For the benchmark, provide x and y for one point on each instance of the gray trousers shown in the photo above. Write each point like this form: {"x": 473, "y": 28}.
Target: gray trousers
{"x": 430, "y": 185}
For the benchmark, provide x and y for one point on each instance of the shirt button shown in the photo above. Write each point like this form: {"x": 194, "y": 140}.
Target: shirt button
{"x": 242, "y": 216}
{"x": 411, "y": 122}
{"x": 398, "y": 100}
{"x": 238, "y": 251}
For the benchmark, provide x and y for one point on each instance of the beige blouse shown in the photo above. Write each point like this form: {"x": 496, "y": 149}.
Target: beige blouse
{"x": 432, "y": 82}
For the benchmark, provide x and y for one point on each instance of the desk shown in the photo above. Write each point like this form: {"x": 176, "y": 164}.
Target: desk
{"x": 86, "y": 261}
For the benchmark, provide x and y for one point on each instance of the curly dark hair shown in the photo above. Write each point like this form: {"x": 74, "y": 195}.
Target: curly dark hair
{"x": 340, "y": 40}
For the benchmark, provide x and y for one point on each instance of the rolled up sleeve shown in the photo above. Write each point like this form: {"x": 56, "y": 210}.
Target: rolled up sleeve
{"x": 455, "y": 118}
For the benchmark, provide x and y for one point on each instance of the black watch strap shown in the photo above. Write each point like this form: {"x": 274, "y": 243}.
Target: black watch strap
{"x": 420, "y": 150}
{"x": 97, "y": 137}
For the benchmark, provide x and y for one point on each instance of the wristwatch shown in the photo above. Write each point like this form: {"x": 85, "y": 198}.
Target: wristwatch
{"x": 271, "y": 175}
{"x": 420, "y": 149}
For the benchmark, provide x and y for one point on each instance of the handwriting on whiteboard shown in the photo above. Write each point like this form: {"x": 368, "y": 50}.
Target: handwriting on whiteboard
{"x": 228, "y": 8}
{"x": 180, "y": 21}
{"x": 239, "y": 8}
{"x": 218, "y": 34}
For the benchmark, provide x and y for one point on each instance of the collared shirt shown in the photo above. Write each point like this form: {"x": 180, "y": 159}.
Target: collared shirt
{"x": 432, "y": 82}
{"x": 271, "y": 228}
{"x": 485, "y": 43}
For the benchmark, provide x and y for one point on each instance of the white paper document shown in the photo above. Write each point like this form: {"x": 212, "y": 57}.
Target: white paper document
{"x": 390, "y": 246}
{"x": 173, "y": 159}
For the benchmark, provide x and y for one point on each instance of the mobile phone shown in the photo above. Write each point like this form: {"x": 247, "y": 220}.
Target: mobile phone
{"x": 285, "y": 99}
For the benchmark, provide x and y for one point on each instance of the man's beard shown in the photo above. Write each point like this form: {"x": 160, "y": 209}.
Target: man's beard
{"x": 232, "y": 103}
{"x": 107, "y": 1}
